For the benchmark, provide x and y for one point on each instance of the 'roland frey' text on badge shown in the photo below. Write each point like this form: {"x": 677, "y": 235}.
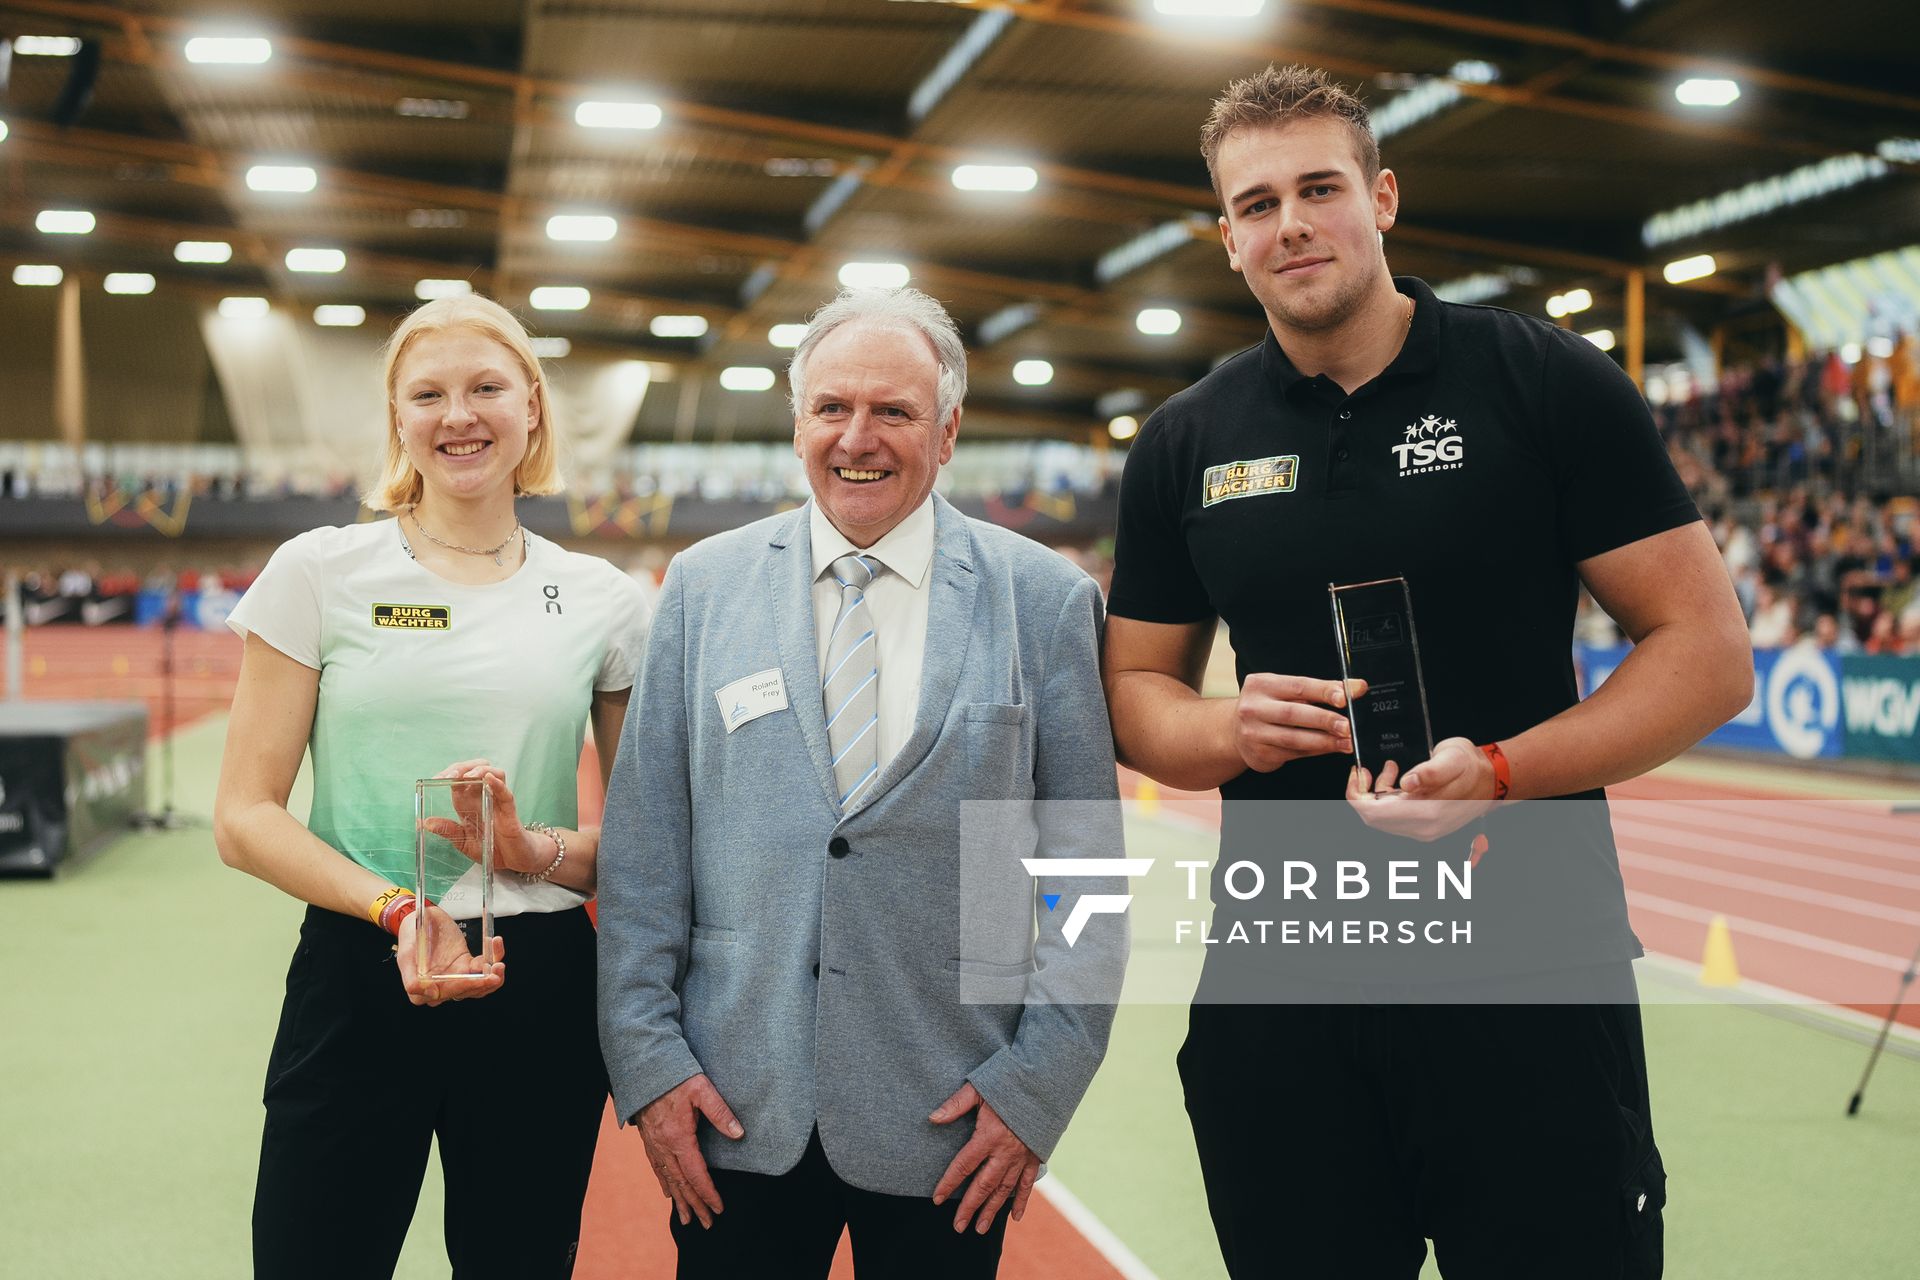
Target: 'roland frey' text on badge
{"x": 414, "y": 617}
{"x": 1249, "y": 479}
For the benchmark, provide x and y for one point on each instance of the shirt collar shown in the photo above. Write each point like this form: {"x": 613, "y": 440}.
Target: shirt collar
{"x": 906, "y": 549}
{"x": 1419, "y": 353}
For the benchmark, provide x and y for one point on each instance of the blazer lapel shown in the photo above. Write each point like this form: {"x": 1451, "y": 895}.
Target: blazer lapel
{"x": 951, "y": 588}
{"x": 790, "y": 589}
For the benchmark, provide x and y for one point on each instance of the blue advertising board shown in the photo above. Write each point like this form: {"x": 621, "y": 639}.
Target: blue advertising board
{"x": 1882, "y": 706}
{"x": 1796, "y": 707}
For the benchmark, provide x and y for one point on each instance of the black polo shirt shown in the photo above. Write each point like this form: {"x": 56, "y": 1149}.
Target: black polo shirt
{"x": 1494, "y": 454}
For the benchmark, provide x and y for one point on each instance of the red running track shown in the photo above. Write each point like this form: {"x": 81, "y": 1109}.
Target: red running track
{"x": 1822, "y": 897}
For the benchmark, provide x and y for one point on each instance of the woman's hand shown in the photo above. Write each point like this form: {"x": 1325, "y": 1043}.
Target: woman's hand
{"x": 447, "y": 954}
{"x": 514, "y": 847}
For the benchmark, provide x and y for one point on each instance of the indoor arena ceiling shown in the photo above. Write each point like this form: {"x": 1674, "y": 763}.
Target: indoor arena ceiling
{"x": 796, "y": 136}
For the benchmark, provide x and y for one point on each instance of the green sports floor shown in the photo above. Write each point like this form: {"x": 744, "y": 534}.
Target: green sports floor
{"x": 138, "y": 995}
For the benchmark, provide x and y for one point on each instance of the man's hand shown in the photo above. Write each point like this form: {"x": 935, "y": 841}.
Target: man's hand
{"x": 1000, "y": 1163}
{"x": 1434, "y": 799}
{"x": 1281, "y": 718}
{"x": 668, "y": 1126}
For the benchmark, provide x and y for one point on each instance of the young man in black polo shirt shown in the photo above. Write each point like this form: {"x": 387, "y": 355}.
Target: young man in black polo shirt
{"x": 1496, "y": 463}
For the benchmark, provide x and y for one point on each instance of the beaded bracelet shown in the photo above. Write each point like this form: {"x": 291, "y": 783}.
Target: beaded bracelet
{"x": 559, "y": 853}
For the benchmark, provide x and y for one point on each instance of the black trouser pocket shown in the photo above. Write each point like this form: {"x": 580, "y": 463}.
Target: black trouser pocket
{"x": 1642, "y": 1198}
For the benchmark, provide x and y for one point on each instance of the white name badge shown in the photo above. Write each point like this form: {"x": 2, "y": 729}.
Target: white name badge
{"x": 751, "y": 697}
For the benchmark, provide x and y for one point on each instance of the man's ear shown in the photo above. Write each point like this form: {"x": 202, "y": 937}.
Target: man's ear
{"x": 1386, "y": 200}
{"x": 1226, "y": 238}
{"x": 947, "y": 436}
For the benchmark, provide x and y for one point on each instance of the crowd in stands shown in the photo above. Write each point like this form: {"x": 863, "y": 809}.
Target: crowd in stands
{"x": 1807, "y": 472}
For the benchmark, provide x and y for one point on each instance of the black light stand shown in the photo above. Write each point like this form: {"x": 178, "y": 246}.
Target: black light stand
{"x": 1899, "y": 998}
{"x": 166, "y": 819}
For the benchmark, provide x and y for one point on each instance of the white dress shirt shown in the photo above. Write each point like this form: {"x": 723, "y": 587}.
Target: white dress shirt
{"x": 897, "y": 599}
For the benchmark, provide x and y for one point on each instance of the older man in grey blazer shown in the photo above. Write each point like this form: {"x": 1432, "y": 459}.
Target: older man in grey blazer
{"x": 782, "y": 949}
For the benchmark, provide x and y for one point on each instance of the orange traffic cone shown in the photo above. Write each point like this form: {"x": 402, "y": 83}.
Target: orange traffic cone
{"x": 1717, "y": 965}
{"x": 1146, "y": 798}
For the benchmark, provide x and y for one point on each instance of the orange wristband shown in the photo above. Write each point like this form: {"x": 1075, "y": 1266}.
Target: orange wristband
{"x": 396, "y": 914}
{"x": 1502, "y": 774}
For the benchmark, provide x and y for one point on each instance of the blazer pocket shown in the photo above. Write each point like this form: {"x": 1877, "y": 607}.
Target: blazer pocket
{"x": 707, "y": 933}
{"x": 992, "y": 968}
{"x": 998, "y": 754}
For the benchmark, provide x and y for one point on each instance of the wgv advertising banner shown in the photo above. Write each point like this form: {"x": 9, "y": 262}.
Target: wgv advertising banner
{"x": 1797, "y": 701}
{"x": 1882, "y": 707}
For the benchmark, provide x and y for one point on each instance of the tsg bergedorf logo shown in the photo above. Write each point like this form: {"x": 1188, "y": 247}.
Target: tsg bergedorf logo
{"x": 1087, "y": 905}
{"x": 1432, "y": 444}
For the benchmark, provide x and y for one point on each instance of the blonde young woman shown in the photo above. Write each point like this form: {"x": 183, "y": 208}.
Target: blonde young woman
{"x": 446, "y": 641}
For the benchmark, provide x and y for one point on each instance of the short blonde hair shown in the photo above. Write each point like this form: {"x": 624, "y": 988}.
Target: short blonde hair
{"x": 399, "y": 485}
{"x": 1279, "y": 96}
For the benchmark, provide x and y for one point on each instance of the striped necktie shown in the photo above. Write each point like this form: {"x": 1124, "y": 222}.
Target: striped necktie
{"x": 851, "y": 686}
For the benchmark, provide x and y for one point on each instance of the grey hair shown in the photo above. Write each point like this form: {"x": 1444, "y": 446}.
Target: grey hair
{"x": 906, "y": 308}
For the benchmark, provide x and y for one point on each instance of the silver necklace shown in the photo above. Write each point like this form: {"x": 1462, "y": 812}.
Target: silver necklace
{"x": 493, "y": 551}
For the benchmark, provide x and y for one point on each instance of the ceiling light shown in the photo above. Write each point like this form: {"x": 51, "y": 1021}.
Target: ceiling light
{"x": 1474, "y": 71}
{"x": 874, "y": 275}
{"x": 243, "y": 308}
{"x": 37, "y": 274}
{"x": 129, "y": 282}
{"x": 321, "y": 261}
{"x": 1158, "y": 321}
{"x": 1033, "y": 373}
{"x": 1762, "y": 197}
{"x": 746, "y": 377}
{"x": 786, "y": 335}
{"x": 3, "y": 130}
{"x": 46, "y": 46}
{"x": 617, "y": 115}
{"x": 1209, "y": 8}
{"x": 425, "y": 219}
{"x": 1698, "y": 267}
{"x": 581, "y": 226}
{"x": 995, "y": 177}
{"x": 1601, "y": 338}
{"x": 64, "y": 222}
{"x": 677, "y": 326}
{"x": 1706, "y": 93}
{"x": 1880, "y": 348}
{"x": 1569, "y": 303}
{"x": 340, "y": 317}
{"x": 559, "y": 297}
{"x": 428, "y": 290}
{"x": 552, "y": 348}
{"x": 1850, "y": 353}
{"x": 229, "y": 50}
{"x": 282, "y": 177}
{"x": 203, "y": 251}
{"x": 432, "y": 108}
{"x": 1124, "y": 427}
{"x": 800, "y": 167}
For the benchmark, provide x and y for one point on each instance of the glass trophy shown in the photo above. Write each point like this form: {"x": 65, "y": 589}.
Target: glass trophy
{"x": 1373, "y": 626}
{"x": 452, "y": 834}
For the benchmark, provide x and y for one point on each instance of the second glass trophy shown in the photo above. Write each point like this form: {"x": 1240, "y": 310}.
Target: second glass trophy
{"x": 1373, "y": 626}
{"x": 453, "y": 839}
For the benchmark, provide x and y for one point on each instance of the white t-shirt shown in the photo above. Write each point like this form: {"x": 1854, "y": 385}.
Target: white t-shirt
{"x": 417, "y": 672}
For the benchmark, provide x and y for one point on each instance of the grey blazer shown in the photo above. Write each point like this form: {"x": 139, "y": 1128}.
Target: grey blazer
{"x": 824, "y": 990}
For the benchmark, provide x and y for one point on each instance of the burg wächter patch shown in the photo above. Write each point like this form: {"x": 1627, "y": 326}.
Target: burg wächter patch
{"x": 1249, "y": 479}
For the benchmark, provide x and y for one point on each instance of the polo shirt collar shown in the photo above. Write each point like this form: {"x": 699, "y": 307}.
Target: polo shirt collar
{"x": 906, "y": 549}
{"x": 1418, "y": 354}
